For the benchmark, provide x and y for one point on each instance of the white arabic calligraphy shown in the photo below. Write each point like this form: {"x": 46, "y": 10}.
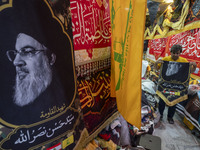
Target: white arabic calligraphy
{"x": 171, "y": 86}
{"x": 90, "y": 23}
{"x": 30, "y": 137}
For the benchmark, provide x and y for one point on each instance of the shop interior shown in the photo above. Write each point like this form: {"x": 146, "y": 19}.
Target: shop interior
{"x": 102, "y": 56}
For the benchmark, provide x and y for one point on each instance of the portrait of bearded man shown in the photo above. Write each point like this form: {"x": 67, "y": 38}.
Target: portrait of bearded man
{"x": 37, "y": 64}
{"x": 33, "y": 69}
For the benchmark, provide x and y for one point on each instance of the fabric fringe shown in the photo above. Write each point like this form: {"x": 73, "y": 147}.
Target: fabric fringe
{"x": 81, "y": 143}
{"x": 195, "y": 77}
{"x": 178, "y": 100}
{"x": 177, "y": 26}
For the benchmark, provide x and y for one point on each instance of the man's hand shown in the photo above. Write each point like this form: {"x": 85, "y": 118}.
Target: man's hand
{"x": 193, "y": 66}
{"x": 159, "y": 61}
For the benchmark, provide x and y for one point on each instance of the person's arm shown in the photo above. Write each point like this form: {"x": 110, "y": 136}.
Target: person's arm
{"x": 158, "y": 64}
{"x": 193, "y": 66}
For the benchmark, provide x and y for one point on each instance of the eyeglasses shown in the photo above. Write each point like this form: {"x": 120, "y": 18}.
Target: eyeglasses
{"x": 25, "y": 52}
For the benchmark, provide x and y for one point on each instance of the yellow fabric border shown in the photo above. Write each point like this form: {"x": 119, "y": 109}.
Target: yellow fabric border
{"x": 177, "y": 26}
{"x": 190, "y": 26}
{"x": 178, "y": 100}
{"x": 195, "y": 76}
{"x": 81, "y": 142}
{"x": 153, "y": 73}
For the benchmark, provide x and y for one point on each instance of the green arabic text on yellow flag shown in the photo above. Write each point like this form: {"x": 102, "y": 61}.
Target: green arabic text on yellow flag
{"x": 128, "y": 22}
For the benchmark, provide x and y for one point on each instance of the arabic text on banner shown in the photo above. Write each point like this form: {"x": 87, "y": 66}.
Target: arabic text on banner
{"x": 173, "y": 82}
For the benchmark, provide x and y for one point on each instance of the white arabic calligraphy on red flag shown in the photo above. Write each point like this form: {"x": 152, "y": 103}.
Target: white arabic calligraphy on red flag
{"x": 190, "y": 41}
{"x": 157, "y": 47}
{"x": 91, "y": 24}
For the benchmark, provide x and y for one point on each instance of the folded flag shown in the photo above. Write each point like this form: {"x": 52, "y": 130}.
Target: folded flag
{"x": 55, "y": 147}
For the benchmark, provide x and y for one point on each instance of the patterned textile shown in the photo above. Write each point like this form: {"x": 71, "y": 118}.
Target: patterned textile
{"x": 194, "y": 13}
{"x": 112, "y": 132}
{"x": 173, "y": 82}
{"x": 91, "y": 35}
{"x": 191, "y": 109}
{"x": 97, "y": 105}
{"x": 86, "y": 70}
{"x": 90, "y": 24}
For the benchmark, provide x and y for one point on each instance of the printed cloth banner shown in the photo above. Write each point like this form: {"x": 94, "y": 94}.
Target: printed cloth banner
{"x": 156, "y": 48}
{"x": 39, "y": 106}
{"x": 98, "y": 107}
{"x": 92, "y": 40}
{"x": 128, "y": 21}
{"x": 173, "y": 82}
{"x": 91, "y": 24}
{"x": 91, "y": 35}
{"x": 190, "y": 41}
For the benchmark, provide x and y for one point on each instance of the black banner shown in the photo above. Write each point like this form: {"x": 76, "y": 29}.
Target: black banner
{"x": 173, "y": 82}
{"x": 39, "y": 106}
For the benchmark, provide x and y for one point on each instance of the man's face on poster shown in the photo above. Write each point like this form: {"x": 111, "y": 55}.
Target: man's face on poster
{"x": 172, "y": 69}
{"x": 33, "y": 69}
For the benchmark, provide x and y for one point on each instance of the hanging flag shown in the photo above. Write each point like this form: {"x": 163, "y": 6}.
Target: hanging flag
{"x": 153, "y": 9}
{"x": 173, "y": 82}
{"x": 128, "y": 22}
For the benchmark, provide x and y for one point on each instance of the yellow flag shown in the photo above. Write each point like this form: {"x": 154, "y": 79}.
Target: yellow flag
{"x": 128, "y": 23}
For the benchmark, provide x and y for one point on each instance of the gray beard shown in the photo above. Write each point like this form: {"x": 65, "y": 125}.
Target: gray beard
{"x": 173, "y": 69}
{"x": 29, "y": 88}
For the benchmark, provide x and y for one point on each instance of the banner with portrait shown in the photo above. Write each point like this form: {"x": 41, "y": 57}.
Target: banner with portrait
{"x": 173, "y": 82}
{"x": 189, "y": 40}
{"x": 40, "y": 106}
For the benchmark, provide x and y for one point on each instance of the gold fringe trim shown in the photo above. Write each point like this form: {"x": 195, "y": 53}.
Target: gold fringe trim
{"x": 178, "y": 100}
{"x": 81, "y": 141}
{"x": 153, "y": 73}
{"x": 195, "y": 76}
{"x": 177, "y": 26}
